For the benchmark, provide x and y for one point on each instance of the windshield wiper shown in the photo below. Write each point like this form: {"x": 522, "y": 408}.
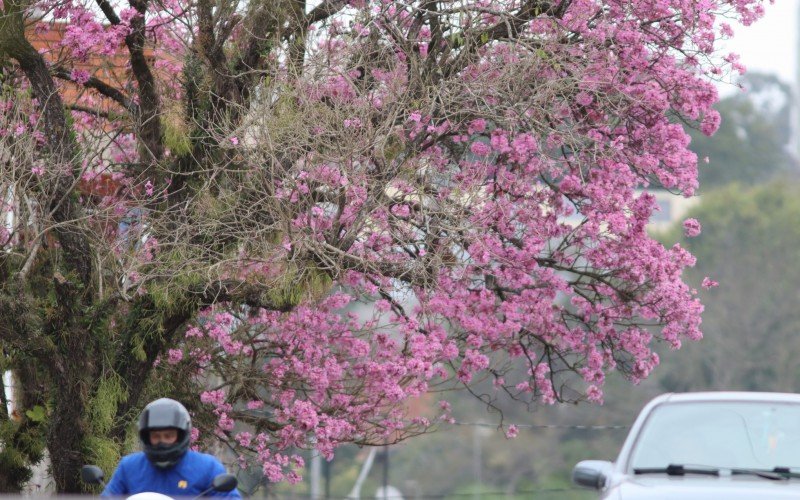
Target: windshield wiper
{"x": 773, "y": 474}
{"x": 678, "y": 470}
{"x": 776, "y": 474}
{"x": 786, "y": 472}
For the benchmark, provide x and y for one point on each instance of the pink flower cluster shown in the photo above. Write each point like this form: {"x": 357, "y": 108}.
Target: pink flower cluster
{"x": 554, "y": 260}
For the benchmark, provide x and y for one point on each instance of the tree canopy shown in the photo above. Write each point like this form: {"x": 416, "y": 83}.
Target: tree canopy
{"x": 213, "y": 218}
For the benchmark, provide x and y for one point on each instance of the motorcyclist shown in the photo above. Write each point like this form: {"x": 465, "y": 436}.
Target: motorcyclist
{"x": 166, "y": 465}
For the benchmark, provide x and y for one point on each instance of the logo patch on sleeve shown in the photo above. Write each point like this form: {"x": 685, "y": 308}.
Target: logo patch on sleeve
{"x": 182, "y": 484}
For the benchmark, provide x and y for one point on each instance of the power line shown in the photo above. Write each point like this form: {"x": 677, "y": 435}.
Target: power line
{"x": 544, "y": 426}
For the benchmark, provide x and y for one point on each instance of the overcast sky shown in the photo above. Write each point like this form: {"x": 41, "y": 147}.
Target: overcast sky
{"x": 770, "y": 45}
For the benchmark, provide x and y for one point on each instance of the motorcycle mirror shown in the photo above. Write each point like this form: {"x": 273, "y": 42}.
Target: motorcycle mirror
{"x": 92, "y": 474}
{"x": 224, "y": 483}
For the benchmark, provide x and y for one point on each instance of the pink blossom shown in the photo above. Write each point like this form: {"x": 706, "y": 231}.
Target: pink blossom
{"x": 80, "y": 76}
{"x": 215, "y": 398}
{"x": 479, "y": 148}
{"x": 594, "y": 394}
{"x": 710, "y": 122}
{"x": 244, "y": 438}
{"x": 584, "y": 98}
{"x": 512, "y": 431}
{"x": 174, "y": 356}
{"x": 225, "y": 422}
{"x": 255, "y": 405}
{"x": 709, "y": 283}
{"x": 691, "y": 228}
{"x": 402, "y": 210}
{"x": 477, "y": 126}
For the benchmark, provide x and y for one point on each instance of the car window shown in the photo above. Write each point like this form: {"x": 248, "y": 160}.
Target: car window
{"x": 720, "y": 434}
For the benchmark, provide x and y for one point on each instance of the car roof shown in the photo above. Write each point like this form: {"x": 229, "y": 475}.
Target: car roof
{"x": 782, "y": 397}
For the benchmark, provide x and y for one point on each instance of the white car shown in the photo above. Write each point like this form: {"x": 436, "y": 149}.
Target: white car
{"x": 721, "y": 445}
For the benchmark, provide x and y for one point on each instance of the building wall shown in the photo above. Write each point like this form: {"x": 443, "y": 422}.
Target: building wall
{"x": 673, "y": 209}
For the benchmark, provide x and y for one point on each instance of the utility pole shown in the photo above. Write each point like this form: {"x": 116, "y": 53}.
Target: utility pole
{"x": 479, "y": 433}
{"x": 355, "y": 493}
{"x": 327, "y": 466}
{"x": 794, "y": 110}
{"x": 477, "y": 461}
{"x": 385, "y": 471}
{"x": 316, "y": 475}
{"x": 795, "y": 117}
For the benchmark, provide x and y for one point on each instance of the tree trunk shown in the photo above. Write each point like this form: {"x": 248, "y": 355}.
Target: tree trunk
{"x": 72, "y": 373}
{"x": 69, "y": 367}
{"x": 66, "y": 435}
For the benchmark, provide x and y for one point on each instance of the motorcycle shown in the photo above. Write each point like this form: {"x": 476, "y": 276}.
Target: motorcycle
{"x": 92, "y": 474}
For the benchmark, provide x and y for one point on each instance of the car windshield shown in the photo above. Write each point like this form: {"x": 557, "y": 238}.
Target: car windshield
{"x": 753, "y": 435}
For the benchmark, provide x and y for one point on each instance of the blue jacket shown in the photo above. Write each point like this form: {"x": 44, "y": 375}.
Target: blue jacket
{"x": 191, "y": 476}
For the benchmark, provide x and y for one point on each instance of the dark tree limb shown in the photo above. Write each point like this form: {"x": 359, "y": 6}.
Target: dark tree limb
{"x": 102, "y": 87}
{"x": 59, "y": 141}
{"x": 109, "y": 12}
{"x": 149, "y": 116}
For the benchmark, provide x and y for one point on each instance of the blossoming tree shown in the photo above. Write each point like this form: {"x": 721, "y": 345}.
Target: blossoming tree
{"x": 213, "y": 221}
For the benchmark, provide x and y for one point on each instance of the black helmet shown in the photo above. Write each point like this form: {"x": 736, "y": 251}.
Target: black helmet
{"x": 165, "y": 413}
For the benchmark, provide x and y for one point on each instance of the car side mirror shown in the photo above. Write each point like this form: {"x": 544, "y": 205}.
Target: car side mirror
{"x": 592, "y": 473}
{"x": 92, "y": 474}
{"x": 224, "y": 483}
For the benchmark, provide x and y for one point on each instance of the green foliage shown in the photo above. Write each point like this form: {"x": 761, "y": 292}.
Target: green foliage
{"x": 101, "y": 451}
{"x": 549, "y": 488}
{"x": 36, "y": 414}
{"x": 71, "y": 135}
{"x": 13, "y": 463}
{"x": 103, "y": 405}
{"x": 167, "y": 301}
{"x": 751, "y": 144}
{"x": 392, "y": 148}
{"x": 145, "y": 322}
{"x": 294, "y": 285}
{"x": 750, "y": 244}
{"x": 456, "y": 40}
{"x": 288, "y": 121}
{"x": 176, "y": 137}
{"x": 22, "y": 446}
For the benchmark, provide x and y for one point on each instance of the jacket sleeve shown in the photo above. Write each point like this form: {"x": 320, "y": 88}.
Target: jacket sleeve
{"x": 117, "y": 485}
{"x": 216, "y": 470}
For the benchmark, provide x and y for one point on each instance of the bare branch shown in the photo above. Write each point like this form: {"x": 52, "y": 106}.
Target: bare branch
{"x": 100, "y": 86}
